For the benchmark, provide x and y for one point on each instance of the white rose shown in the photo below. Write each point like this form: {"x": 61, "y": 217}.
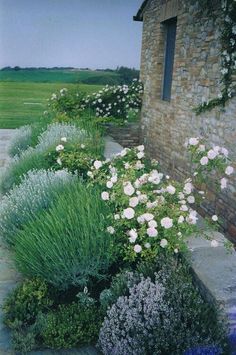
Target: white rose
{"x": 137, "y": 248}
{"x": 114, "y": 179}
{"x": 148, "y": 216}
{"x": 163, "y": 243}
{"x": 201, "y": 148}
{"x": 204, "y": 161}
{"x": 128, "y": 189}
{"x": 181, "y": 219}
{"x": 229, "y": 170}
{"x": 212, "y": 154}
{"x": 190, "y": 199}
{"x": 152, "y": 223}
{"x": 109, "y": 184}
{"x": 214, "y": 218}
{"x": 223, "y": 183}
{"x": 167, "y": 222}
{"x": 105, "y": 196}
{"x": 129, "y": 213}
{"x": 116, "y": 216}
{"x": 97, "y": 164}
{"x": 152, "y": 232}
{"x": 123, "y": 152}
{"x": 147, "y": 245}
{"x": 133, "y": 202}
{"x": 188, "y": 188}
{"x": 225, "y": 152}
{"x": 193, "y": 141}
{"x": 140, "y": 155}
{"x": 59, "y": 147}
{"x": 133, "y": 235}
{"x": 184, "y": 208}
{"x": 140, "y": 148}
{"x": 64, "y": 139}
{"x": 110, "y": 230}
{"x": 171, "y": 189}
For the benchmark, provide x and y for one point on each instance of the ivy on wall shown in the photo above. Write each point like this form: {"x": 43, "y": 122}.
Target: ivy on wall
{"x": 228, "y": 54}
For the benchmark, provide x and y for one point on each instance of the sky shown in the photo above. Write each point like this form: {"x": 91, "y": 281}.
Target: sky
{"x": 77, "y": 33}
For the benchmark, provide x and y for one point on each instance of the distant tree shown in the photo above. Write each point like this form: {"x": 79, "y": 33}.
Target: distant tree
{"x": 16, "y": 68}
{"x": 127, "y": 75}
{"x": 6, "y": 68}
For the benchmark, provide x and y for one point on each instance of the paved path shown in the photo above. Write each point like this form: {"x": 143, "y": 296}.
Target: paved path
{"x": 8, "y": 276}
{"x": 111, "y": 147}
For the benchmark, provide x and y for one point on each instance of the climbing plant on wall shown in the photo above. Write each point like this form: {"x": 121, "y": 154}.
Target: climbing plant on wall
{"x": 228, "y": 53}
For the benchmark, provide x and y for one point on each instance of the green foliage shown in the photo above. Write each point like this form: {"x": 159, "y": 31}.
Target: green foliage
{"x": 127, "y": 75}
{"x": 71, "y": 326}
{"x": 68, "y": 245}
{"x": 25, "y": 302}
{"x": 66, "y": 102}
{"x": 112, "y": 79}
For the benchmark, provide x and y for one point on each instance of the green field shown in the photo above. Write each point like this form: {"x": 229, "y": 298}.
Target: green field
{"x": 24, "y": 102}
{"x": 54, "y": 76}
{"x": 24, "y": 93}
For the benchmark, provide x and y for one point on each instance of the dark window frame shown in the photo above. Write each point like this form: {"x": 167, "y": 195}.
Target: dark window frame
{"x": 170, "y": 29}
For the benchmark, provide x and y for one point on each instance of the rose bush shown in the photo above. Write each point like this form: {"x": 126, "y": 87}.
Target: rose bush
{"x": 151, "y": 212}
{"x": 116, "y": 101}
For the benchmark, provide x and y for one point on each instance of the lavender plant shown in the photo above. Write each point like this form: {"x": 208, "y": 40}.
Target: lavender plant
{"x": 57, "y": 133}
{"x": 34, "y": 194}
{"x": 20, "y": 141}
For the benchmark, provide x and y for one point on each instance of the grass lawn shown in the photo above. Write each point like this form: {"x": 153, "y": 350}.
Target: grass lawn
{"x": 52, "y": 76}
{"x": 24, "y": 102}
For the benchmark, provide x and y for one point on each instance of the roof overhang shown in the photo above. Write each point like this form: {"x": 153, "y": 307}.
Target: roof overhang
{"x": 139, "y": 15}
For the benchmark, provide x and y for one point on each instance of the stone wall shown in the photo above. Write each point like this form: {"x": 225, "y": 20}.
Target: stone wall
{"x": 127, "y": 135}
{"x": 165, "y": 126}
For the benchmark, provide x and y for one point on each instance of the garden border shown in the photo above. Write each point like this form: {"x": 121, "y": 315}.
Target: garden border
{"x": 214, "y": 269}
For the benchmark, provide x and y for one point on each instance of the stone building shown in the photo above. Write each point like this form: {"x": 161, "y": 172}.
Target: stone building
{"x": 180, "y": 69}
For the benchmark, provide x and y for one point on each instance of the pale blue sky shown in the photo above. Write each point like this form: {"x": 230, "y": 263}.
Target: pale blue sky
{"x": 78, "y": 33}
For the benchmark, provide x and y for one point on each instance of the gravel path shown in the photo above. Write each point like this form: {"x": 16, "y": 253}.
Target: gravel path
{"x": 8, "y": 275}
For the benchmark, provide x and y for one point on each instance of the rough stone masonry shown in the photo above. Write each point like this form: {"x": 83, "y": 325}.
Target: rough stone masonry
{"x": 165, "y": 125}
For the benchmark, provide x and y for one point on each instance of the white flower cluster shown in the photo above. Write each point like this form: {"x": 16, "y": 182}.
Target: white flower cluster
{"x": 149, "y": 216}
{"x": 207, "y": 156}
{"x": 115, "y": 101}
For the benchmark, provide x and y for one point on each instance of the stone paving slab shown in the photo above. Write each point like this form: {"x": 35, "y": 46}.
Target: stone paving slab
{"x": 8, "y": 276}
{"x": 111, "y": 147}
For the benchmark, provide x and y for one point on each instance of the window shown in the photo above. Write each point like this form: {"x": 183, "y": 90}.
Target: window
{"x": 170, "y": 31}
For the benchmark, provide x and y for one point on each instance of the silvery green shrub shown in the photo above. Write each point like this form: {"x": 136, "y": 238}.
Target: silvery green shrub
{"x": 34, "y": 158}
{"x": 50, "y": 138}
{"x": 128, "y": 327}
{"x": 161, "y": 314}
{"x": 34, "y": 194}
{"x": 20, "y": 141}
{"x": 19, "y": 166}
